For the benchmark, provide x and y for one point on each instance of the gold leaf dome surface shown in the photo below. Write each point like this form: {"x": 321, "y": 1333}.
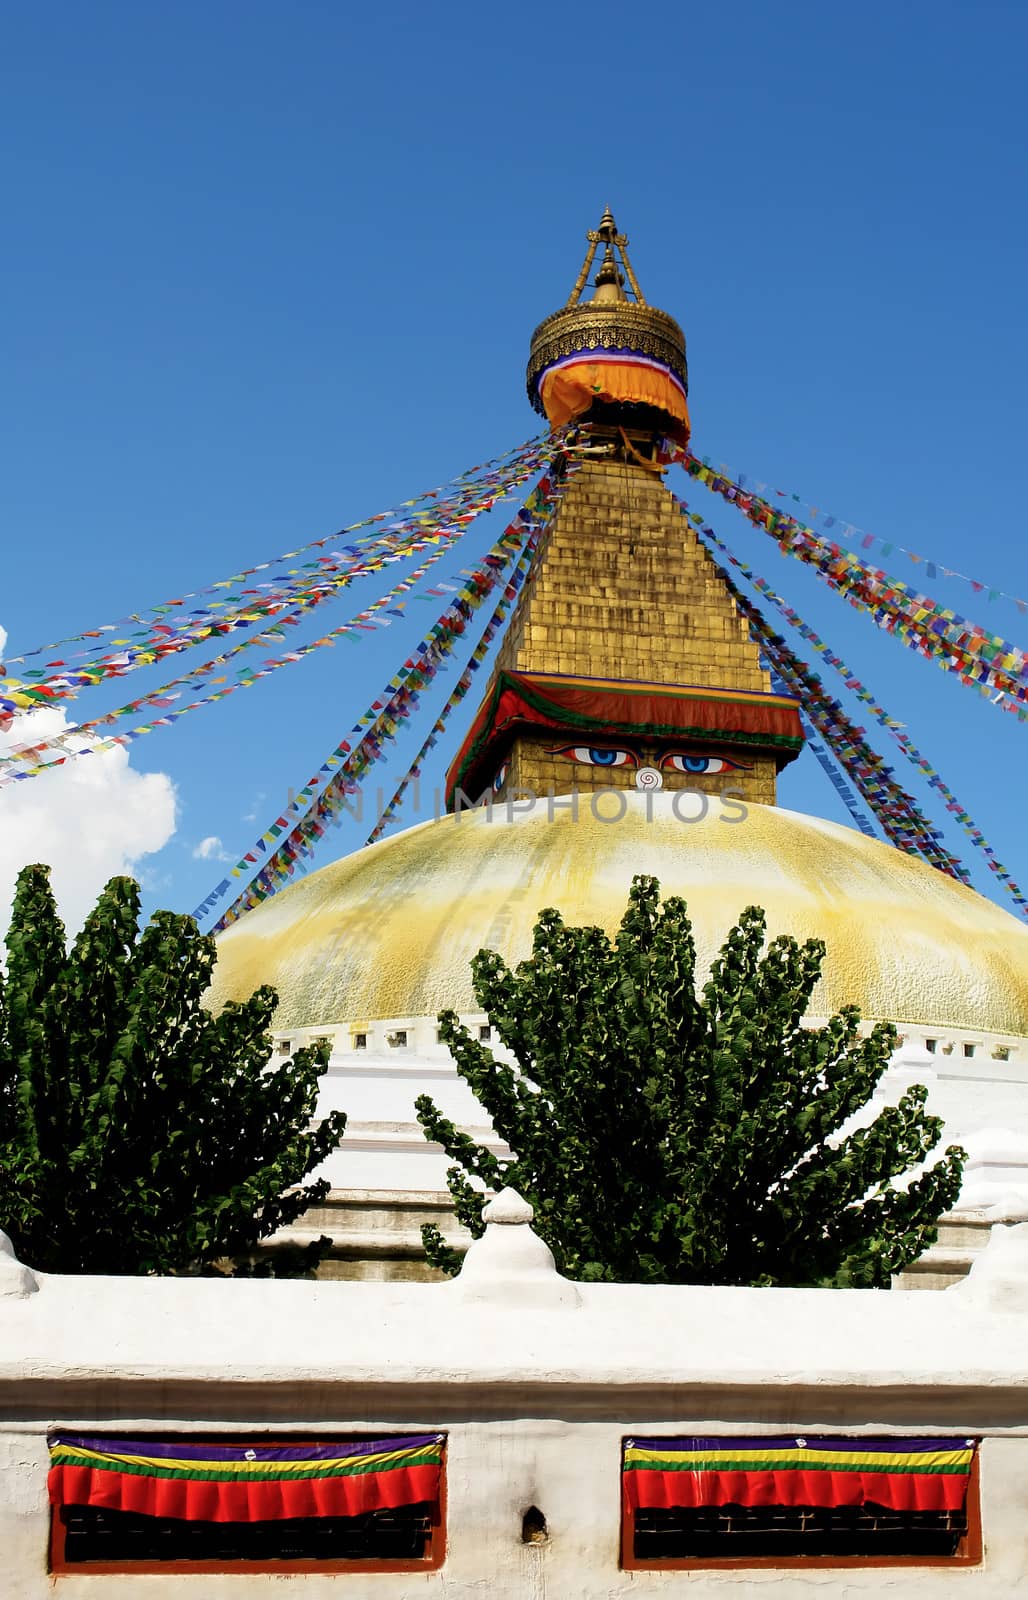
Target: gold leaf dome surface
{"x": 389, "y": 931}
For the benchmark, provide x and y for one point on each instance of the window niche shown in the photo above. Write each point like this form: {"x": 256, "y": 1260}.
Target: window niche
{"x": 533, "y": 1527}
{"x": 859, "y": 1501}
{"x": 268, "y": 1504}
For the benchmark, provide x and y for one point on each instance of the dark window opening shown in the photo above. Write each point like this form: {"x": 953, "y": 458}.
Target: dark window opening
{"x": 360, "y": 1041}
{"x": 752, "y": 1532}
{"x": 398, "y": 1040}
{"x": 969, "y": 1051}
{"x": 930, "y": 1046}
{"x": 92, "y": 1535}
{"x": 485, "y": 1032}
{"x": 533, "y": 1527}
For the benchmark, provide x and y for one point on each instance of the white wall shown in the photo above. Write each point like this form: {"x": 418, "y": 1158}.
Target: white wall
{"x": 982, "y": 1101}
{"x": 536, "y": 1382}
{"x": 497, "y": 1468}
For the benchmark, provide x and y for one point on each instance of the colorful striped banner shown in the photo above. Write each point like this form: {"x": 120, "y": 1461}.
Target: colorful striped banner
{"x": 899, "y": 1474}
{"x": 246, "y": 1482}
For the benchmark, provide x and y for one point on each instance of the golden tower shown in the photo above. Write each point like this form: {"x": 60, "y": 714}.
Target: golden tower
{"x": 626, "y": 663}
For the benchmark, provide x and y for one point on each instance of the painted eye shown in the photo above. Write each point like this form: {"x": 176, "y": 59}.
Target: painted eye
{"x": 595, "y": 755}
{"x": 698, "y": 766}
{"x": 500, "y": 778}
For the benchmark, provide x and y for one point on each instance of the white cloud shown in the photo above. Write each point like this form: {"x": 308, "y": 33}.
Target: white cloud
{"x": 251, "y": 815}
{"x": 89, "y": 820}
{"x": 211, "y": 849}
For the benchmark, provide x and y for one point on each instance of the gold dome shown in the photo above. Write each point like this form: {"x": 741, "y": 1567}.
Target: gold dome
{"x": 390, "y": 931}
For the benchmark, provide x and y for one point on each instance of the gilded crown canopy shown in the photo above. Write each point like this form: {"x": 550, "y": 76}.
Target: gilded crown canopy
{"x": 613, "y": 348}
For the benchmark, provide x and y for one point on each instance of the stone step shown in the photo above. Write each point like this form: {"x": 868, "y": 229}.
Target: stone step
{"x": 962, "y": 1237}
{"x": 376, "y": 1233}
{"x": 391, "y": 1211}
{"x": 376, "y": 1237}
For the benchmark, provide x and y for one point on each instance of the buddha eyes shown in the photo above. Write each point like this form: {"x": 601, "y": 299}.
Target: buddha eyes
{"x": 597, "y": 756}
{"x": 500, "y": 778}
{"x": 673, "y": 761}
{"x": 697, "y": 766}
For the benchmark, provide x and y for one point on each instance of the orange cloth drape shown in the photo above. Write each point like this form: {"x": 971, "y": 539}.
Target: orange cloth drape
{"x": 570, "y": 389}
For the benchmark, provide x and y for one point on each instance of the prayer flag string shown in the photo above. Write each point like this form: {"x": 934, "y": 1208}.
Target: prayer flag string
{"x": 888, "y": 547}
{"x": 329, "y": 573}
{"x": 395, "y": 705}
{"x": 881, "y": 716}
{"x": 826, "y": 761}
{"x": 517, "y": 581}
{"x": 896, "y": 811}
{"x": 997, "y": 668}
{"x": 538, "y": 449}
{"x": 388, "y": 606}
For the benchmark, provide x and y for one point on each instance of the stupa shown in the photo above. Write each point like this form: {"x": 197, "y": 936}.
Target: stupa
{"x": 629, "y": 726}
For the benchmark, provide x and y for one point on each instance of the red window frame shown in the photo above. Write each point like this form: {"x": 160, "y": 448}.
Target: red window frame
{"x": 433, "y": 1559}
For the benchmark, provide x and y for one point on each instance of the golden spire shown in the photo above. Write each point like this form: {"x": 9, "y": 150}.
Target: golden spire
{"x": 616, "y": 324}
{"x": 610, "y": 280}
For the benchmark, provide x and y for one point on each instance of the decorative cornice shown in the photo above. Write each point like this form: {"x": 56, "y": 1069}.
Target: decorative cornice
{"x": 525, "y": 702}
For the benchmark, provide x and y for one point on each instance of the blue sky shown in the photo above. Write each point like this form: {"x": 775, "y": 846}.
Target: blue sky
{"x": 269, "y": 269}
